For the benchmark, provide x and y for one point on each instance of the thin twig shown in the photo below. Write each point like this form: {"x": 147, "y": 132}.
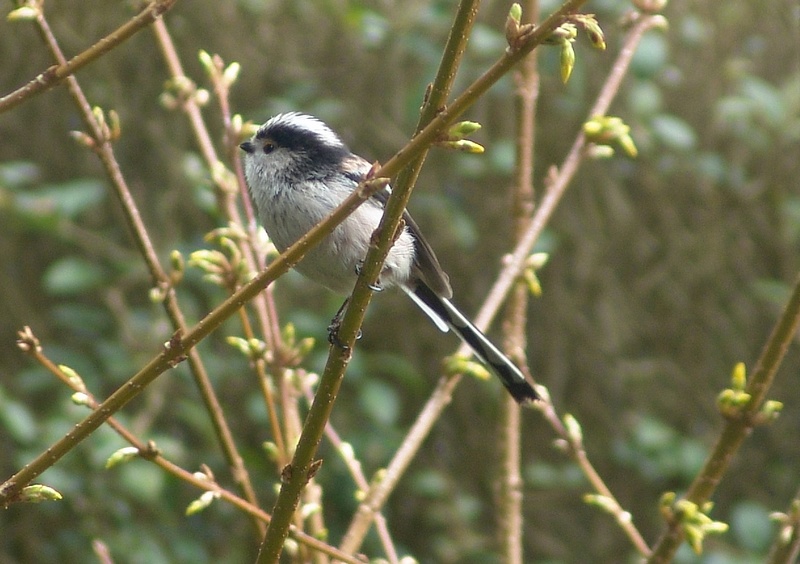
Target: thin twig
{"x": 149, "y": 451}
{"x": 356, "y": 471}
{"x": 786, "y": 546}
{"x": 509, "y": 504}
{"x": 441, "y": 395}
{"x": 58, "y": 73}
{"x": 104, "y": 150}
{"x": 339, "y": 357}
{"x": 736, "y": 429}
{"x": 574, "y": 447}
{"x": 264, "y": 304}
{"x": 179, "y": 345}
{"x": 566, "y": 172}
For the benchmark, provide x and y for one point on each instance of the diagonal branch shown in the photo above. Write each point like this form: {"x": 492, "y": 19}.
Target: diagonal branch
{"x": 58, "y": 73}
{"x": 178, "y": 346}
{"x": 102, "y": 145}
{"x": 380, "y": 491}
{"x": 149, "y": 451}
{"x": 737, "y": 428}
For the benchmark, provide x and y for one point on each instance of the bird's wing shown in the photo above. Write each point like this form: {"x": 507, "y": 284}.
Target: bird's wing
{"x": 425, "y": 261}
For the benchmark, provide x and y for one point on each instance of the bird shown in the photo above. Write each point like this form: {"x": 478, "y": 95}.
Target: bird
{"x": 298, "y": 170}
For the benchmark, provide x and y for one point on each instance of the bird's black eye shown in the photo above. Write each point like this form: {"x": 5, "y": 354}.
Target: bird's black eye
{"x": 268, "y": 148}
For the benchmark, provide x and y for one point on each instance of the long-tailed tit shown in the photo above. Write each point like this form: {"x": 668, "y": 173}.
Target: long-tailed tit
{"x": 298, "y": 170}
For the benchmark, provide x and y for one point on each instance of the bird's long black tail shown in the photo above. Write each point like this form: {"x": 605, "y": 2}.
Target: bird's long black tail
{"x": 446, "y": 315}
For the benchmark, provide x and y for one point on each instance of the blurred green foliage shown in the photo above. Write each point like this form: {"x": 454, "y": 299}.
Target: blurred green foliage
{"x": 665, "y": 271}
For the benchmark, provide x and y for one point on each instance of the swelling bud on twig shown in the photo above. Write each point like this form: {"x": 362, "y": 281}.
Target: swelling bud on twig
{"x": 201, "y": 502}
{"x": 650, "y": 6}
{"x": 771, "y": 410}
{"x": 456, "y": 138}
{"x": 609, "y": 505}
{"x": 604, "y": 130}
{"x": 217, "y": 71}
{"x": 125, "y": 454}
{"x": 593, "y": 30}
{"x": 24, "y": 13}
{"x": 732, "y": 402}
{"x": 529, "y": 276}
{"x": 179, "y": 90}
{"x": 516, "y": 33}
{"x": 788, "y": 522}
{"x": 693, "y": 519}
{"x": 231, "y": 73}
{"x": 463, "y": 145}
{"x": 564, "y": 32}
{"x": 697, "y": 524}
{"x": 27, "y": 341}
{"x": 81, "y": 398}
{"x": 178, "y": 265}
{"x": 253, "y": 349}
{"x": 458, "y": 364}
{"x": 226, "y": 270}
{"x": 573, "y": 428}
{"x": 462, "y": 129}
{"x": 37, "y": 493}
{"x": 74, "y": 378}
{"x": 109, "y": 129}
{"x": 567, "y": 60}
{"x": 564, "y": 36}
{"x": 513, "y": 24}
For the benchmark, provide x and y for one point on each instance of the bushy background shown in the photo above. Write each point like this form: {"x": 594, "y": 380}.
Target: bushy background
{"x": 665, "y": 271}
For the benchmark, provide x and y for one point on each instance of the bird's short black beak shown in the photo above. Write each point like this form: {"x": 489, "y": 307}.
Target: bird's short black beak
{"x": 248, "y": 147}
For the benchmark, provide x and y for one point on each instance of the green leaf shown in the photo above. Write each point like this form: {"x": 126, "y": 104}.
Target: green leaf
{"x": 16, "y": 419}
{"x": 18, "y": 173}
{"x": 380, "y": 401}
{"x": 674, "y": 132}
{"x": 72, "y": 275}
{"x": 67, "y": 200}
{"x": 651, "y": 56}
